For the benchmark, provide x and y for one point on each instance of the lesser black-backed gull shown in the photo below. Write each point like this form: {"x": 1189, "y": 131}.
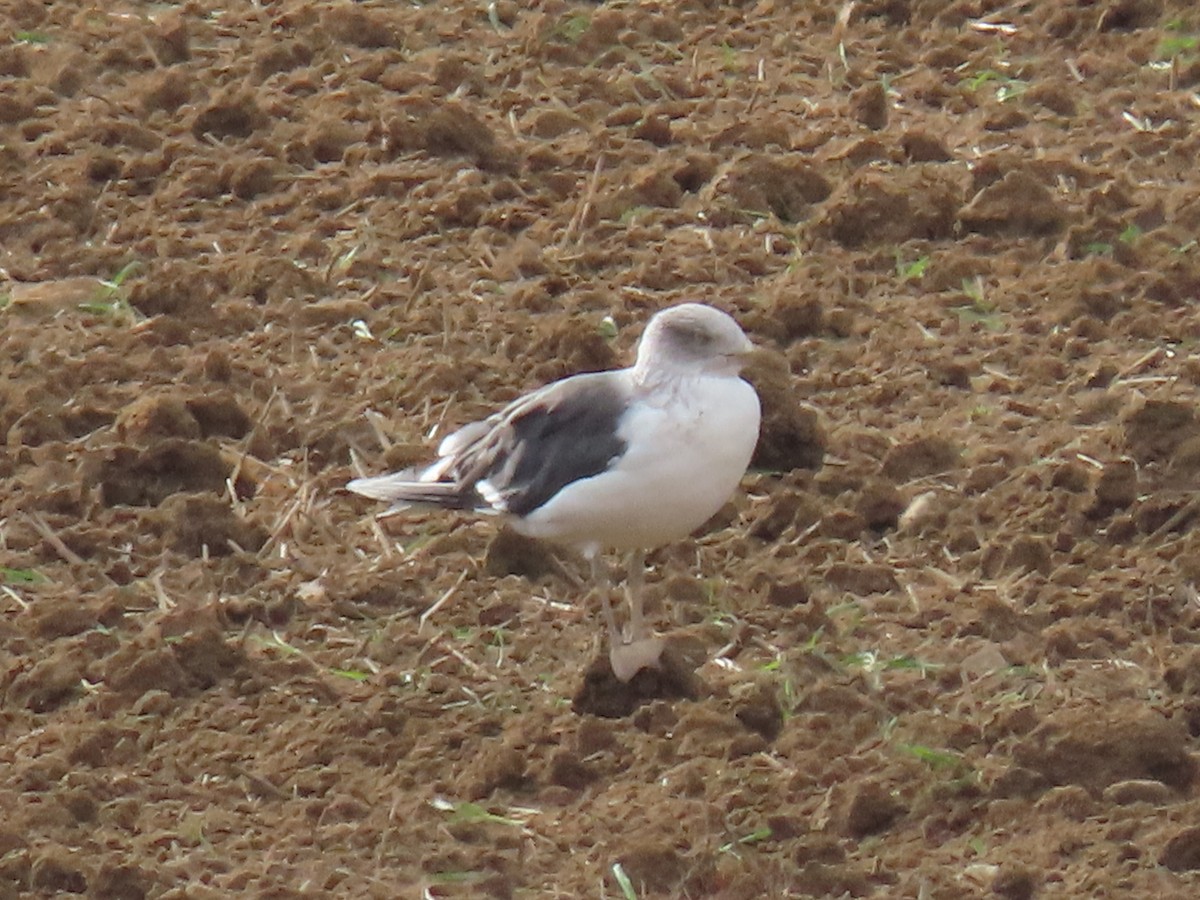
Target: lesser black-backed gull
{"x": 624, "y": 460}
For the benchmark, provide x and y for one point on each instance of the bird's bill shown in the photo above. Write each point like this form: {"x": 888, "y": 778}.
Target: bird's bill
{"x": 747, "y": 356}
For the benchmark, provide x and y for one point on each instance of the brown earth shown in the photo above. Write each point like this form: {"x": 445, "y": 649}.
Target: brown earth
{"x": 947, "y": 634}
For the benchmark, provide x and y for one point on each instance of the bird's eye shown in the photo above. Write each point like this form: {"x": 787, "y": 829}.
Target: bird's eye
{"x": 692, "y": 336}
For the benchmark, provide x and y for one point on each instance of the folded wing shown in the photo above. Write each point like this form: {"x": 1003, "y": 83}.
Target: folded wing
{"x": 518, "y": 459}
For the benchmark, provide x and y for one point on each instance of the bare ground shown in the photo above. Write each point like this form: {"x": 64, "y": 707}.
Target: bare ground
{"x": 944, "y": 639}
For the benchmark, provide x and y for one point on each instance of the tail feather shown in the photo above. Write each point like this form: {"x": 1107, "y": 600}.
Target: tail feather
{"x": 405, "y": 489}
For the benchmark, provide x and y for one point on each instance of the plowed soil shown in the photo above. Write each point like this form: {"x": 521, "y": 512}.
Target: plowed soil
{"x": 942, "y": 645}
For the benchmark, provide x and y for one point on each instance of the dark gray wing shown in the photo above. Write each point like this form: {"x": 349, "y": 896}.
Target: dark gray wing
{"x": 543, "y": 442}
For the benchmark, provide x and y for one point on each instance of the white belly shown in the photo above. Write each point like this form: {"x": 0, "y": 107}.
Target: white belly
{"x": 683, "y": 461}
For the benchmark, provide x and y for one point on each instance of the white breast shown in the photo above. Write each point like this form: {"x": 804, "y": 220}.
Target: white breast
{"x": 686, "y": 452}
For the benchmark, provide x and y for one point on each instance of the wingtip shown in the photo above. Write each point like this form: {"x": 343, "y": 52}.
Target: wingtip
{"x": 381, "y": 487}
{"x": 403, "y": 491}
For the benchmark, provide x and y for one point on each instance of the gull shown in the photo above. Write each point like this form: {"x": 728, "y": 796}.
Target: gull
{"x": 624, "y": 460}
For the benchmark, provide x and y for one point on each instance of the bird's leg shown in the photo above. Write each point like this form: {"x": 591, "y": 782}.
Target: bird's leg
{"x": 603, "y": 587}
{"x": 635, "y": 578}
{"x": 641, "y": 649}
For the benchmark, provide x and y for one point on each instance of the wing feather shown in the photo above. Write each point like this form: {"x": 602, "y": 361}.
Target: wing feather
{"x": 517, "y": 459}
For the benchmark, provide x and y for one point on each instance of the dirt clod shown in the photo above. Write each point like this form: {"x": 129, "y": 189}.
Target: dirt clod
{"x": 868, "y": 210}
{"x": 1097, "y": 748}
{"x": 1018, "y": 204}
{"x": 1158, "y": 428}
{"x": 236, "y": 116}
{"x": 868, "y": 809}
{"x": 1116, "y": 488}
{"x": 880, "y": 504}
{"x": 569, "y": 771}
{"x": 147, "y": 477}
{"x": 869, "y": 105}
{"x": 453, "y": 130}
{"x": 510, "y": 553}
{"x": 921, "y": 146}
{"x": 120, "y": 882}
{"x": 759, "y": 710}
{"x": 819, "y": 879}
{"x": 602, "y": 694}
{"x": 1138, "y": 790}
{"x": 49, "y": 683}
{"x": 791, "y": 435}
{"x": 787, "y": 187}
{"x": 1015, "y": 882}
{"x": 654, "y": 868}
{"x": 1182, "y": 851}
{"x": 915, "y": 459}
{"x": 55, "y": 873}
{"x": 157, "y": 416}
{"x": 861, "y": 580}
{"x": 199, "y": 524}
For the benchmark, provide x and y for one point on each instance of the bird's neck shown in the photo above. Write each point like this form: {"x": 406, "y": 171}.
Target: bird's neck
{"x": 667, "y": 381}
{"x": 652, "y": 377}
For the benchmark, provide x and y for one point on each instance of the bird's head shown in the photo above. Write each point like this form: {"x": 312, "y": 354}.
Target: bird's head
{"x": 693, "y": 338}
